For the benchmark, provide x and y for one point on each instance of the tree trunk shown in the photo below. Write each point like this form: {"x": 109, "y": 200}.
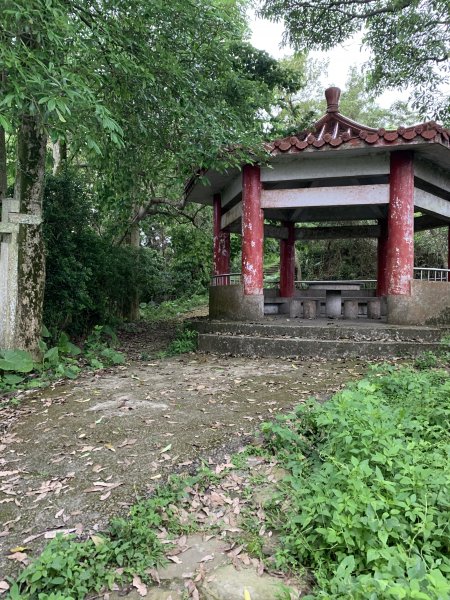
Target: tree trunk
{"x": 3, "y": 164}
{"x": 3, "y": 172}
{"x": 29, "y": 191}
{"x": 59, "y": 156}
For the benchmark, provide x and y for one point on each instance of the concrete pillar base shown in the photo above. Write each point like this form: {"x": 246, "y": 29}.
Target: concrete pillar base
{"x": 350, "y": 309}
{"x": 309, "y": 309}
{"x": 229, "y": 302}
{"x": 374, "y": 309}
{"x": 334, "y": 304}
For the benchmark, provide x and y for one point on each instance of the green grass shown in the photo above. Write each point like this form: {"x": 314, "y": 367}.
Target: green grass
{"x": 366, "y": 506}
{"x": 172, "y": 308}
{"x": 70, "y": 569}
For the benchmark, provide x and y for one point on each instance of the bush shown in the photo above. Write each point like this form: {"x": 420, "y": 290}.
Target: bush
{"x": 366, "y": 507}
{"x": 89, "y": 280}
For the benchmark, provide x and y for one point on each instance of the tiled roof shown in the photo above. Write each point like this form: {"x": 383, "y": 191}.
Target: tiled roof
{"x": 334, "y": 130}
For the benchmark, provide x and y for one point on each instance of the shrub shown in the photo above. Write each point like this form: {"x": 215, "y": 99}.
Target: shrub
{"x": 366, "y": 506}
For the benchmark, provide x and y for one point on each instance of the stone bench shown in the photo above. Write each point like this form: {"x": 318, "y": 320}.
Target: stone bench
{"x": 272, "y": 305}
{"x": 351, "y": 307}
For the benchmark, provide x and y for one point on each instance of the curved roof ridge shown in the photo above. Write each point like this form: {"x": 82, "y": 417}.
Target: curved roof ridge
{"x": 334, "y": 129}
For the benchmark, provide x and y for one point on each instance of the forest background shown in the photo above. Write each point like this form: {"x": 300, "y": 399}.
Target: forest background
{"x": 106, "y": 110}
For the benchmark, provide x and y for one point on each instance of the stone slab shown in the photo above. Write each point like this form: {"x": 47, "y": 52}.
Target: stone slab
{"x": 192, "y": 558}
{"x": 275, "y": 346}
{"x": 227, "y": 583}
{"x": 362, "y": 330}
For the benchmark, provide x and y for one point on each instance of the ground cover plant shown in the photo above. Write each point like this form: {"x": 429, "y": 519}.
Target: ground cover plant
{"x": 60, "y": 359}
{"x": 154, "y": 312}
{"x": 366, "y": 504}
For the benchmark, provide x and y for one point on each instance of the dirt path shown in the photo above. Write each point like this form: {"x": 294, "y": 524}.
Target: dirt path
{"x": 72, "y": 456}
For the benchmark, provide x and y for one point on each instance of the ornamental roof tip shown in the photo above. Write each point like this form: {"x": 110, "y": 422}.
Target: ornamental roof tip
{"x": 335, "y": 129}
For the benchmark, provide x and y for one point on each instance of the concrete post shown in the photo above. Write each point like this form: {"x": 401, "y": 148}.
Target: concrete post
{"x": 9, "y": 271}
{"x": 400, "y": 242}
{"x": 252, "y": 232}
{"x": 287, "y": 262}
{"x": 381, "y": 258}
{"x": 221, "y": 262}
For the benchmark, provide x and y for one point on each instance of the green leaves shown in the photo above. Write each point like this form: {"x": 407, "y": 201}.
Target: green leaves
{"x": 367, "y": 511}
{"x": 16, "y": 360}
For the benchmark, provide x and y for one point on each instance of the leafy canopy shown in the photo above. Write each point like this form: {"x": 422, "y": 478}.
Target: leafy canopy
{"x": 409, "y": 40}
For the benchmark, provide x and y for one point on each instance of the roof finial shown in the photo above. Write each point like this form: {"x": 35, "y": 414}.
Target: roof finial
{"x": 332, "y": 95}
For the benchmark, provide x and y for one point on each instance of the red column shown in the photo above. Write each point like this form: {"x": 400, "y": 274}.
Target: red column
{"x": 252, "y": 231}
{"x": 221, "y": 263}
{"x": 400, "y": 242}
{"x": 287, "y": 262}
{"x": 381, "y": 258}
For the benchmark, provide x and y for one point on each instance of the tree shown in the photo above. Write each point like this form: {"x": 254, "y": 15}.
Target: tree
{"x": 409, "y": 40}
{"x": 144, "y": 93}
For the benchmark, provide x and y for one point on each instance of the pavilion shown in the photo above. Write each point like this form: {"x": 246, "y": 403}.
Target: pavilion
{"x": 391, "y": 182}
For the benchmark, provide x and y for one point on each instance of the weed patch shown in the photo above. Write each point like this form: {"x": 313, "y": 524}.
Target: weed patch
{"x": 153, "y": 312}
{"x": 366, "y": 505}
{"x": 18, "y": 369}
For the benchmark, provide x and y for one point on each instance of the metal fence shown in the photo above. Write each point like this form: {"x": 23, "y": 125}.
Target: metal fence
{"x": 226, "y": 279}
{"x": 431, "y": 274}
{"x": 364, "y": 284}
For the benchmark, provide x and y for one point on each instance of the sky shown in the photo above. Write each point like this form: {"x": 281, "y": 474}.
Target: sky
{"x": 268, "y": 36}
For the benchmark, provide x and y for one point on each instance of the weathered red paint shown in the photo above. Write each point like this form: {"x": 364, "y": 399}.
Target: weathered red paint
{"x": 382, "y": 287}
{"x": 287, "y": 262}
{"x": 221, "y": 263}
{"x": 252, "y": 231}
{"x": 400, "y": 241}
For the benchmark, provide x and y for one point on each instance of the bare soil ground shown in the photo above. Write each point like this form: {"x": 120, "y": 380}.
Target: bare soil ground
{"x": 74, "y": 454}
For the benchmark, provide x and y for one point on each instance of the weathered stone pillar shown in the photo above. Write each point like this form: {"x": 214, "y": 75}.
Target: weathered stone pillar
{"x": 400, "y": 241}
{"x": 9, "y": 272}
{"x": 221, "y": 262}
{"x": 382, "y": 249}
{"x": 287, "y": 262}
{"x": 252, "y": 231}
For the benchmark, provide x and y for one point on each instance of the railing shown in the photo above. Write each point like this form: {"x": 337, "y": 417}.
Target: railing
{"x": 226, "y": 279}
{"x": 431, "y": 274}
{"x": 365, "y": 284}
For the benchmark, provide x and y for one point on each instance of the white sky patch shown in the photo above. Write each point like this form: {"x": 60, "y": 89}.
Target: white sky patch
{"x": 268, "y": 36}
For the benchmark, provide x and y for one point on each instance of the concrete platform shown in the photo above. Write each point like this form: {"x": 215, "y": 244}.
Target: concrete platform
{"x": 278, "y": 336}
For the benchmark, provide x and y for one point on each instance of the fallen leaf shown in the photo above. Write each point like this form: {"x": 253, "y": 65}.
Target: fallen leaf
{"x": 175, "y": 559}
{"x": 166, "y": 449}
{"x": 207, "y": 558}
{"x": 106, "y": 496}
{"x": 127, "y": 443}
{"x": 19, "y": 549}
{"x": 19, "y": 556}
{"x": 4, "y": 587}
{"x": 141, "y": 587}
{"x": 50, "y": 535}
{"x": 32, "y": 537}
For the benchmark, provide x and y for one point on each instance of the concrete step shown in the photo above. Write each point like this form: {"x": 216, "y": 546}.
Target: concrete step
{"x": 243, "y": 345}
{"x": 358, "y": 331}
